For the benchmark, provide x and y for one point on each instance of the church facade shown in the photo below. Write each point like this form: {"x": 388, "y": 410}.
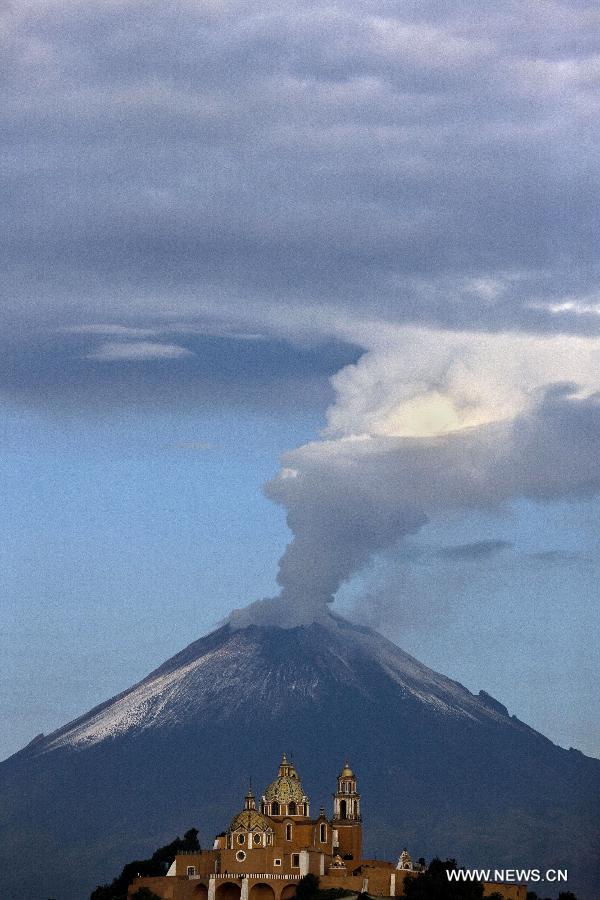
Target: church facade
{"x": 270, "y": 845}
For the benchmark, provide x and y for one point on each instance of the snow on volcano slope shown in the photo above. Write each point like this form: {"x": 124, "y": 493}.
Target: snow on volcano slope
{"x": 229, "y": 667}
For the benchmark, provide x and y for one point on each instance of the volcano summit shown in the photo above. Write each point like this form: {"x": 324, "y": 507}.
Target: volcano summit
{"x": 444, "y": 770}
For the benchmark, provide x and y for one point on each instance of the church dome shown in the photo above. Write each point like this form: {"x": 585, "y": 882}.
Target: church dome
{"x": 287, "y": 787}
{"x": 346, "y": 771}
{"x": 250, "y": 820}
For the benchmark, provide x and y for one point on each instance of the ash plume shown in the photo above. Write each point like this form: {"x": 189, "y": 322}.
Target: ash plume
{"x": 467, "y": 433}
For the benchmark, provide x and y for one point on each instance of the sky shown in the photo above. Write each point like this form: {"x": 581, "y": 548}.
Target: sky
{"x": 300, "y": 312}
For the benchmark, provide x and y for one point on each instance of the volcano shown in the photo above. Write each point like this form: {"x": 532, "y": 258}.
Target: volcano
{"x": 441, "y": 770}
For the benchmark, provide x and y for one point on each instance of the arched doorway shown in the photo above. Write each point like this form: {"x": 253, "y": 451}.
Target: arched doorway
{"x": 228, "y": 890}
{"x": 200, "y": 892}
{"x": 288, "y": 892}
{"x": 261, "y": 891}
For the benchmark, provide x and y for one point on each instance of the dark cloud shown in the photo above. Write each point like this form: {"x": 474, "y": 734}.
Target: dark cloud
{"x": 476, "y": 550}
{"x": 419, "y": 162}
{"x": 105, "y": 367}
{"x": 560, "y": 558}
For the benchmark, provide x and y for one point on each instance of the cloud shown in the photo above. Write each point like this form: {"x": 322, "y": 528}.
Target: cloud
{"x": 122, "y": 331}
{"x": 423, "y": 382}
{"x": 475, "y": 550}
{"x": 137, "y": 351}
{"x": 207, "y": 329}
{"x": 560, "y": 557}
{"x": 408, "y": 163}
{"x": 578, "y": 306}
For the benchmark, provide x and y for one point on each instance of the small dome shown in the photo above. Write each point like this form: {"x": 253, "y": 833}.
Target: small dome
{"x": 250, "y": 820}
{"x": 346, "y": 771}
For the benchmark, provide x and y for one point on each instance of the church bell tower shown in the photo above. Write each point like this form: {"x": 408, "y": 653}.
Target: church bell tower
{"x": 346, "y": 820}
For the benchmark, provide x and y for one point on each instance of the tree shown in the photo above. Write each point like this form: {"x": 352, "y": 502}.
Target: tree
{"x": 434, "y": 882}
{"x": 564, "y": 895}
{"x": 145, "y": 894}
{"x": 157, "y": 864}
{"x": 168, "y": 853}
{"x": 307, "y": 887}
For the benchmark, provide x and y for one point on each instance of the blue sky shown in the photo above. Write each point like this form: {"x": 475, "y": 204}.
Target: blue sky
{"x": 316, "y": 262}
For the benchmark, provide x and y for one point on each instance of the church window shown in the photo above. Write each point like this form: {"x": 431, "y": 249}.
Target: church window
{"x": 343, "y": 809}
{"x": 191, "y": 870}
{"x": 288, "y": 832}
{"x": 292, "y": 809}
{"x": 240, "y": 856}
{"x": 240, "y": 839}
{"x": 276, "y": 862}
{"x": 323, "y": 832}
{"x": 256, "y": 838}
{"x": 275, "y": 808}
{"x": 295, "y": 860}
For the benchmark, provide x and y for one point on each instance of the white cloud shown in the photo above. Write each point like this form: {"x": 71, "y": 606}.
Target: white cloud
{"x": 138, "y": 351}
{"x": 577, "y": 306}
{"x": 419, "y": 382}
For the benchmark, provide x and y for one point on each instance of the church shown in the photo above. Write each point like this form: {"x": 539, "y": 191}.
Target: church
{"x": 268, "y": 847}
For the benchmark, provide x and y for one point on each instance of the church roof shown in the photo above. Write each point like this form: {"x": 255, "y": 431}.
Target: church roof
{"x": 346, "y": 771}
{"x": 250, "y": 820}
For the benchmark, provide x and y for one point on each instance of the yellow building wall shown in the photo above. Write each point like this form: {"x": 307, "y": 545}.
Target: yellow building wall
{"x": 349, "y": 840}
{"x": 203, "y": 861}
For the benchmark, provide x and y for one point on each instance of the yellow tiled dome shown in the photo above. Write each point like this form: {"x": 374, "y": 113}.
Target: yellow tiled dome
{"x": 286, "y": 787}
{"x": 250, "y": 820}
